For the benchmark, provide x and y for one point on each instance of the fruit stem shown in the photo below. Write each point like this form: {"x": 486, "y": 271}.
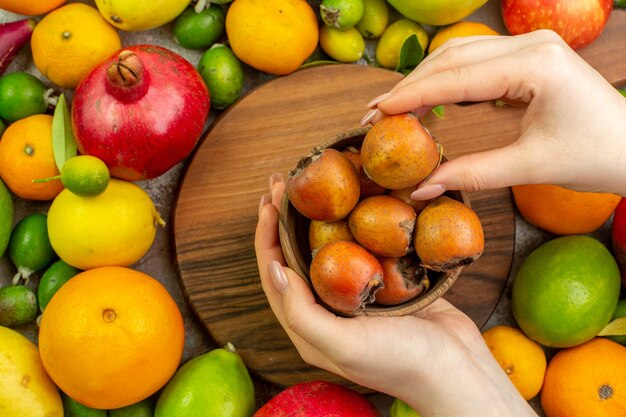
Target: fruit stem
{"x": 127, "y": 79}
{"x": 200, "y": 6}
{"x": 158, "y": 219}
{"x": 230, "y": 348}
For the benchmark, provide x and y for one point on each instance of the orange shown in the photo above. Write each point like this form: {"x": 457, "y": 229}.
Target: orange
{"x": 523, "y": 360}
{"x": 70, "y": 41}
{"x": 111, "y": 337}
{"x": 272, "y": 36}
{"x": 26, "y": 155}
{"x": 457, "y": 30}
{"x": 586, "y": 380}
{"x": 563, "y": 211}
{"x": 30, "y": 8}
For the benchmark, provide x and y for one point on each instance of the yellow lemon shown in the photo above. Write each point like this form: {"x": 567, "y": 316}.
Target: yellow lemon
{"x": 133, "y": 15}
{"x": 392, "y": 39}
{"x": 70, "y": 41}
{"x": 116, "y": 227}
{"x": 26, "y": 390}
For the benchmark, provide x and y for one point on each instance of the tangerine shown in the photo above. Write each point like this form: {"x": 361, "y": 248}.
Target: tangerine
{"x": 26, "y": 154}
{"x": 272, "y": 36}
{"x": 563, "y": 211}
{"x": 459, "y": 29}
{"x": 111, "y": 337}
{"x": 523, "y": 360}
{"x": 30, "y": 8}
{"x": 586, "y": 380}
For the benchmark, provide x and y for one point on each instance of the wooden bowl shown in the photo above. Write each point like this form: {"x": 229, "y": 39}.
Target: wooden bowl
{"x": 294, "y": 228}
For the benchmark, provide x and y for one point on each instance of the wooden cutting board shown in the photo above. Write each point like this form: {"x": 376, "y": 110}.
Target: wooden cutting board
{"x": 268, "y": 131}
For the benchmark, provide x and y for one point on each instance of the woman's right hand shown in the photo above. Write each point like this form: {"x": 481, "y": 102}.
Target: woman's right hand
{"x": 572, "y": 134}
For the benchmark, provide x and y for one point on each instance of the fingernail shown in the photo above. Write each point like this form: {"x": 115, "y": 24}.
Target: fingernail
{"x": 279, "y": 278}
{"x": 369, "y": 116}
{"x": 276, "y": 178}
{"x": 428, "y": 191}
{"x": 378, "y": 99}
{"x": 265, "y": 199}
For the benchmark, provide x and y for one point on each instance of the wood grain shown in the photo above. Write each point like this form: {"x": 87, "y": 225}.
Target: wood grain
{"x": 267, "y": 131}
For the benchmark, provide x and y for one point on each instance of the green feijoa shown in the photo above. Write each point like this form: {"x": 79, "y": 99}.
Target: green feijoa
{"x": 143, "y": 408}
{"x": 375, "y": 19}
{"x": 55, "y": 276}
{"x": 21, "y": 95}
{"x": 6, "y": 217}
{"x": 29, "y": 246}
{"x": 18, "y": 306}
{"x": 620, "y": 311}
{"x": 342, "y": 14}
{"x": 223, "y": 74}
{"x": 199, "y": 30}
{"x": 72, "y": 408}
{"x": 3, "y": 127}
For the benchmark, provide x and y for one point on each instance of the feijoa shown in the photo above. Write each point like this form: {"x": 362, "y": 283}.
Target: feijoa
{"x": 223, "y": 74}
{"x": 21, "y": 95}
{"x": 18, "y": 306}
{"x": 194, "y": 30}
{"x": 29, "y": 246}
{"x": 55, "y": 276}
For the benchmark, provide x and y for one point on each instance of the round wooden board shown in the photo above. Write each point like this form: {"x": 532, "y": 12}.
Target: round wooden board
{"x": 268, "y": 131}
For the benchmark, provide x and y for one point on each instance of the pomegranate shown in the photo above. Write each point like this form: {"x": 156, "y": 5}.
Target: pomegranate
{"x": 317, "y": 399}
{"x": 141, "y": 111}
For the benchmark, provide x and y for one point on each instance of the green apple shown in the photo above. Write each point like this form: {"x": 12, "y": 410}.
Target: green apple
{"x": 436, "y": 12}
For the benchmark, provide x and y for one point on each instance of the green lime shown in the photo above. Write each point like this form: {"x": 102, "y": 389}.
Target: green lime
{"x": 566, "y": 291}
{"x": 219, "y": 375}
{"x": 342, "y": 14}
{"x": 143, "y": 408}
{"x": 199, "y": 30}
{"x": 342, "y": 45}
{"x": 29, "y": 246}
{"x": 620, "y": 311}
{"x": 223, "y": 74}
{"x": 375, "y": 19}
{"x": 21, "y": 95}
{"x": 391, "y": 41}
{"x": 85, "y": 175}
{"x": 55, "y": 276}
{"x": 6, "y": 217}
{"x": 401, "y": 409}
{"x": 72, "y": 408}
{"x": 18, "y": 306}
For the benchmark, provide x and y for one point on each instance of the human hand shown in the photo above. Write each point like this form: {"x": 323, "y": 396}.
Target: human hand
{"x": 572, "y": 134}
{"x": 435, "y": 360}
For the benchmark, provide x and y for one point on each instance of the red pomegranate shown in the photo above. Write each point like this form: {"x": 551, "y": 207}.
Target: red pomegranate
{"x": 141, "y": 111}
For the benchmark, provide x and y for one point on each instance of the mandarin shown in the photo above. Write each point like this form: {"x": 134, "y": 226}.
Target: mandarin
{"x": 111, "y": 337}
{"x": 459, "y": 29}
{"x": 26, "y": 154}
{"x": 586, "y": 380}
{"x": 30, "y": 8}
{"x": 563, "y": 211}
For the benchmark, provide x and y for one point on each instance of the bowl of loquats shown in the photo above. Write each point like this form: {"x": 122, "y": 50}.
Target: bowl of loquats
{"x": 349, "y": 228}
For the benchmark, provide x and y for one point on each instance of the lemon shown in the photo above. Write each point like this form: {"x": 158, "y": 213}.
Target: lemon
{"x": 436, "y": 12}
{"x": 85, "y": 175}
{"x": 390, "y": 43}
{"x": 116, "y": 227}
{"x": 345, "y": 45}
{"x": 134, "y": 15}
{"x": 19, "y": 357}
{"x": 375, "y": 19}
{"x": 6, "y": 217}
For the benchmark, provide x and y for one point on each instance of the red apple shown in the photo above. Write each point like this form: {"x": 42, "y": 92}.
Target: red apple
{"x": 618, "y": 237}
{"x": 579, "y": 22}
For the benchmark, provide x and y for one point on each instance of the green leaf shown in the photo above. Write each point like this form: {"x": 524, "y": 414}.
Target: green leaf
{"x": 63, "y": 141}
{"x": 411, "y": 54}
{"x": 622, "y": 91}
{"x": 619, "y": 3}
{"x": 438, "y": 110}
{"x": 615, "y": 328}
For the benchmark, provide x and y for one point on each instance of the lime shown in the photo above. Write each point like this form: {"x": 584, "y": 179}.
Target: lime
{"x": 199, "y": 30}
{"x": 18, "y": 306}
{"x": 143, "y": 408}
{"x": 375, "y": 19}
{"x": 21, "y": 95}
{"x": 85, "y": 175}
{"x": 223, "y": 74}
{"x": 620, "y": 311}
{"x": 219, "y": 375}
{"x": 390, "y": 43}
{"x": 72, "y": 408}
{"x": 29, "y": 246}
{"x": 342, "y": 45}
{"x": 6, "y": 217}
{"x": 342, "y": 14}
{"x": 566, "y": 291}
{"x": 401, "y": 409}
{"x": 55, "y": 276}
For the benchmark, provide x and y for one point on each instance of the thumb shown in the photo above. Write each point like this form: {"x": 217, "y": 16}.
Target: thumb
{"x": 487, "y": 170}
